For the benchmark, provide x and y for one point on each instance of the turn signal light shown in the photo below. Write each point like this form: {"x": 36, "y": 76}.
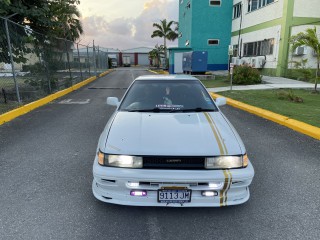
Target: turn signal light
{"x": 245, "y": 160}
{"x": 100, "y": 158}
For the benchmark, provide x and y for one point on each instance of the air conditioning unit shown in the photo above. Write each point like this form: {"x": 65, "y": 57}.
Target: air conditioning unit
{"x": 300, "y": 51}
{"x": 262, "y": 61}
{"x": 254, "y": 62}
{"x": 257, "y": 62}
{"x": 246, "y": 60}
{"x": 239, "y": 62}
{"x": 234, "y": 60}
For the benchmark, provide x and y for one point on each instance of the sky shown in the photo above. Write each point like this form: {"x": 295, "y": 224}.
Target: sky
{"x": 125, "y": 24}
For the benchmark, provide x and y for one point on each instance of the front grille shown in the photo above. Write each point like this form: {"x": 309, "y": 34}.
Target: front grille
{"x": 173, "y": 162}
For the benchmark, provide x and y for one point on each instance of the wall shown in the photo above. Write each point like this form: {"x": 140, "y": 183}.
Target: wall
{"x": 262, "y": 15}
{"x": 185, "y": 20}
{"x": 212, "y": 23}
{"x": 306, "y": 8}
{"x": 268, "y": 33}
{"x": 143, "y": 59}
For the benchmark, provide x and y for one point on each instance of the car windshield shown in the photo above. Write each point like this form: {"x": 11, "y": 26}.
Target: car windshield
{"x": 167, "y": 96}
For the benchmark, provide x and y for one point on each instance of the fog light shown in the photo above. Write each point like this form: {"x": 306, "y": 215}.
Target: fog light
{"x": 209, "y": 193}
{"x": 138, "y": 193}
{"x": 215, "y": 185}
{"x": 133, "y": 184}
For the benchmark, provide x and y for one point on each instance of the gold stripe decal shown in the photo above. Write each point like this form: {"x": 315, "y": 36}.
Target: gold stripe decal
{"x": 226, "y": 187}
{"x": 220, "y": 136}
{"x": 223, "y": 151}
{"x": 213, "y": 128}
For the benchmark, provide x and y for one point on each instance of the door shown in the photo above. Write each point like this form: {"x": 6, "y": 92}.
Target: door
{"x": 178, "y": 62}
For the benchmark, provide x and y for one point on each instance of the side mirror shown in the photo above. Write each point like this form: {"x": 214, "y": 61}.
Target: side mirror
{"x": 220, "y": 101}
{"x": 113, "y": 101}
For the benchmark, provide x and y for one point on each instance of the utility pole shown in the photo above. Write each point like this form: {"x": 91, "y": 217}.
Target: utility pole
{"x": 11, "y": 57}
{"x": 94, "y": 60}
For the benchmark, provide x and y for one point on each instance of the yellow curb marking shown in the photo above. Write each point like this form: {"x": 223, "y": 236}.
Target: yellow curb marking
{"x": 8, "y": 116}
{"x": 163, "y": 72}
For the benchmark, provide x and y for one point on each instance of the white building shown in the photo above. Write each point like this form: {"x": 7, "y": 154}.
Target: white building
{"x": 261, "y": 30}
{"x": 138, "y": 56}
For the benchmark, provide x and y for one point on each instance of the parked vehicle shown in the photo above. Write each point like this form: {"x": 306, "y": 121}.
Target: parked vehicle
{"x": 168, "y": 144}
{"x": 126, "y": 61}
{"x": 114, "y": 62}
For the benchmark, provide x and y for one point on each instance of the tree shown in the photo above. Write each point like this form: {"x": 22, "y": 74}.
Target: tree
{"x": 52, "y": 19}
{"x": 309, "y": 39}
{"x": 156, "y": 54}
{"x": 164, "y": 30}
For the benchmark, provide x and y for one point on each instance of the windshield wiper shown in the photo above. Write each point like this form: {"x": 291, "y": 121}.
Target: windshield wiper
{"x": 199, "y": 109}
{"x": 145, "y": 110}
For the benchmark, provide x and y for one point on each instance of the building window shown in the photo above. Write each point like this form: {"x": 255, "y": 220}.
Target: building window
{"x": 260, "y": 48}
{"x": 235, "y": 50}
{"x": 256, "y": 4}
{"x": 213, "y": 42}
{"x": 215, "y": 3}
{"x": 237, "y": 10}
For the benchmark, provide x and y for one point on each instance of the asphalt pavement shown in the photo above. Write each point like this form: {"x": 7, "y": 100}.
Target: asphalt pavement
{"x": 46, "y": 161}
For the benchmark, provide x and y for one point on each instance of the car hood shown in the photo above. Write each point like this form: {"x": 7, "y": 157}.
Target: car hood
{"x": 172, "y": 134}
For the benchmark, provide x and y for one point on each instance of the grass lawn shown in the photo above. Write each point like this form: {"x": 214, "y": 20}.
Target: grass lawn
{"x": 219, "y": 81}
{"x": 8, "y": 107}
{"x": 308, "y": 111}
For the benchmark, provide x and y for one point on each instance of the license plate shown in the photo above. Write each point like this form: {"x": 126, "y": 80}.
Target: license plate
{"x": 174, "y": 195}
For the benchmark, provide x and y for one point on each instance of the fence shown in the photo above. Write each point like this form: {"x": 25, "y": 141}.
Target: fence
{"x": 33, "y": 65}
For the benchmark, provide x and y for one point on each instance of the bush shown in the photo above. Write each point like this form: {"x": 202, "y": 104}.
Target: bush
{"x": 301, "y": 71}
{"x": 289, "y": 96}
{"x": 246, "y": 75}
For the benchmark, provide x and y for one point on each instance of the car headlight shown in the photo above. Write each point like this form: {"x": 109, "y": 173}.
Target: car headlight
{"x": 226, "y": 162}
{"x": 124, "y": 161}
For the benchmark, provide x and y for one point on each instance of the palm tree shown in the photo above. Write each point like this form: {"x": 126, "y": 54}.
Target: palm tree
{"x": 156, "y": 54}
{"x": 164, "y": 30}
{"x": 309, "y": 39}
{"x": 66, "y": 19}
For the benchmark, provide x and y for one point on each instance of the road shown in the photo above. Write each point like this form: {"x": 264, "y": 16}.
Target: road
{"x": 46, "y": 161}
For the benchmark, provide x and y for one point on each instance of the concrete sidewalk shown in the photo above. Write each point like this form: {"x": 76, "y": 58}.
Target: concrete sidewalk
{"x": 268, "y": 83}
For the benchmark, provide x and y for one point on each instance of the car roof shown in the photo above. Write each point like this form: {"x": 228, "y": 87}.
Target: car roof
{"x": 167, "y": 77}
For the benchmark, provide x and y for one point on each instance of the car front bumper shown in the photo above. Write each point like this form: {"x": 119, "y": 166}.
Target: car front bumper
{"x": 112, "y": 185}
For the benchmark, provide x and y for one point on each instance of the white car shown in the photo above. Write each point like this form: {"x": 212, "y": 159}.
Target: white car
{"x": 168, "y": 144}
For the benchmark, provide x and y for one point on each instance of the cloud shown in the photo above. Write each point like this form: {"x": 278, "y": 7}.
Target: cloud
{"x": 92, "y": 25}
{"x": 125, "y": 33}
{"x": 120, "y": 26}
{"x": 153, "y": 12}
